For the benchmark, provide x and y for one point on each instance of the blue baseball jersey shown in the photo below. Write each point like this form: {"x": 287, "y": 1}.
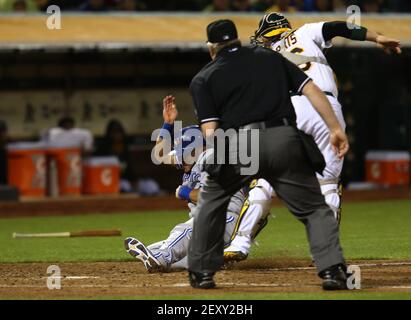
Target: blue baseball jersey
{"x": 196, "y": 178}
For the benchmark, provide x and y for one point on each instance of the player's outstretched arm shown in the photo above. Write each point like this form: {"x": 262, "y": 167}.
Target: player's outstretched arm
{"x": 334, "y": 29}
{"x": 388, "y": 44}
{"x": 338, "y": 139}
{"x": 170, "y": 114}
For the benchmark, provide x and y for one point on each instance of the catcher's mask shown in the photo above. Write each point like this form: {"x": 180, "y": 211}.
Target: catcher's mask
{"x": 270, "y": 29}
{"x": 188, "y": 145}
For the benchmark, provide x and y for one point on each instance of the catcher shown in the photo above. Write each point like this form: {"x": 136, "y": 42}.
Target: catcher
{"x": 305, "y": 47}
{"x": 247, "y": 212}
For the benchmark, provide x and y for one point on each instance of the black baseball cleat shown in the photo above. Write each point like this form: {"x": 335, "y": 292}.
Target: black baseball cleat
{"x": 201, "y": 280}
{"x": 334, "y": 278}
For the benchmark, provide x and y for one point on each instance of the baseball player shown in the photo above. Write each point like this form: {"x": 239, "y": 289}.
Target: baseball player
{"x": 247, "y": 212}
{"x": 305, "y": 47}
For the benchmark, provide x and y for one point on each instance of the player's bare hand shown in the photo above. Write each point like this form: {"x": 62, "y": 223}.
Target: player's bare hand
{"x": 170, "y": 111}
{"x": 339, "y": 143}
{"x": 388, "y": 44}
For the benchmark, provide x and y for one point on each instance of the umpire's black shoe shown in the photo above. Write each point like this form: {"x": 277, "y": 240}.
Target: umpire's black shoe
{"x": 201, "y": 280}
{"x": 335, "y": 278}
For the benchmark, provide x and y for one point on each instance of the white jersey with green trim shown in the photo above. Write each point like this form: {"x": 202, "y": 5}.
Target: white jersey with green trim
{"x": 305, "y": 47}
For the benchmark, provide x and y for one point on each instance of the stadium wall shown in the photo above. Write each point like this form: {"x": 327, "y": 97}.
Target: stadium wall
{"x": 161, "y": 29}
{"x": 100, "y": 67}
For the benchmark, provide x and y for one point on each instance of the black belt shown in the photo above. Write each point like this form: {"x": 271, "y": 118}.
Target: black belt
{"x": 268, "y": 124}
{"x": 327, "y": 93}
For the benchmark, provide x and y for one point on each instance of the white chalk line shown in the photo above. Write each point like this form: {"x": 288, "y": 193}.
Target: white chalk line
{"x": 220, "y": 284}
{"x": 186, "y": 285}
{"x": 174, "y": 285}
{"x": 384, "y": 264}
{"x": 76, "y": 277}
{"x": 64, "y": 277}
{"x": 79, "y": 277}
{"x": 232, "y": 284}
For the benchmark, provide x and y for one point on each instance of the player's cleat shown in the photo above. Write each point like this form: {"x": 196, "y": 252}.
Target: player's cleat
{"x": 139, "y": 251}
{"x": 234, "y": 255}
{"x": 201, "y": 280}
{"x": 334, "y": 278}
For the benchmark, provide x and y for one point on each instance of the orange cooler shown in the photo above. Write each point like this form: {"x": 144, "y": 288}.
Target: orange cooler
{"x": 101, "y": 175}
{"x": 388, "y": 168}
{"x": 27, "y": 168}
{"x": 67, "y": 161}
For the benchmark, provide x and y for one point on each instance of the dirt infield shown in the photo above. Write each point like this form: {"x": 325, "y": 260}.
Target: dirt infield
{"x": 88, "y": 205}
{"x": 129, "y": 279}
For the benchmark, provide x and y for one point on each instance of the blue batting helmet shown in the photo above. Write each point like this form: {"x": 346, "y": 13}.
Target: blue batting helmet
{"x": 190, "y": 138}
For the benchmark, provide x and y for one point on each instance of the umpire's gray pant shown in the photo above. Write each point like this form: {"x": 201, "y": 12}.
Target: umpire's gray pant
{"x": 283, "y": 163}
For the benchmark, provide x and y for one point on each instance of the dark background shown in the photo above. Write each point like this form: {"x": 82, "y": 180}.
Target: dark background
{"x": 374, "y": 91}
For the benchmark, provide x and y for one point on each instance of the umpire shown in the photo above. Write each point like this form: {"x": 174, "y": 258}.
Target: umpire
{"x": 249, "y": 88}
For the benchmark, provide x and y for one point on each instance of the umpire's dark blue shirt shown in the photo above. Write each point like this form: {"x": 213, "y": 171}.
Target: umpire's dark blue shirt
{"x": 244, "y": 85}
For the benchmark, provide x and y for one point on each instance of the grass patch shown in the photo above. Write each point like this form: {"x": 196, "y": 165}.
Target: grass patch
{"x": 369, "y": 230}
